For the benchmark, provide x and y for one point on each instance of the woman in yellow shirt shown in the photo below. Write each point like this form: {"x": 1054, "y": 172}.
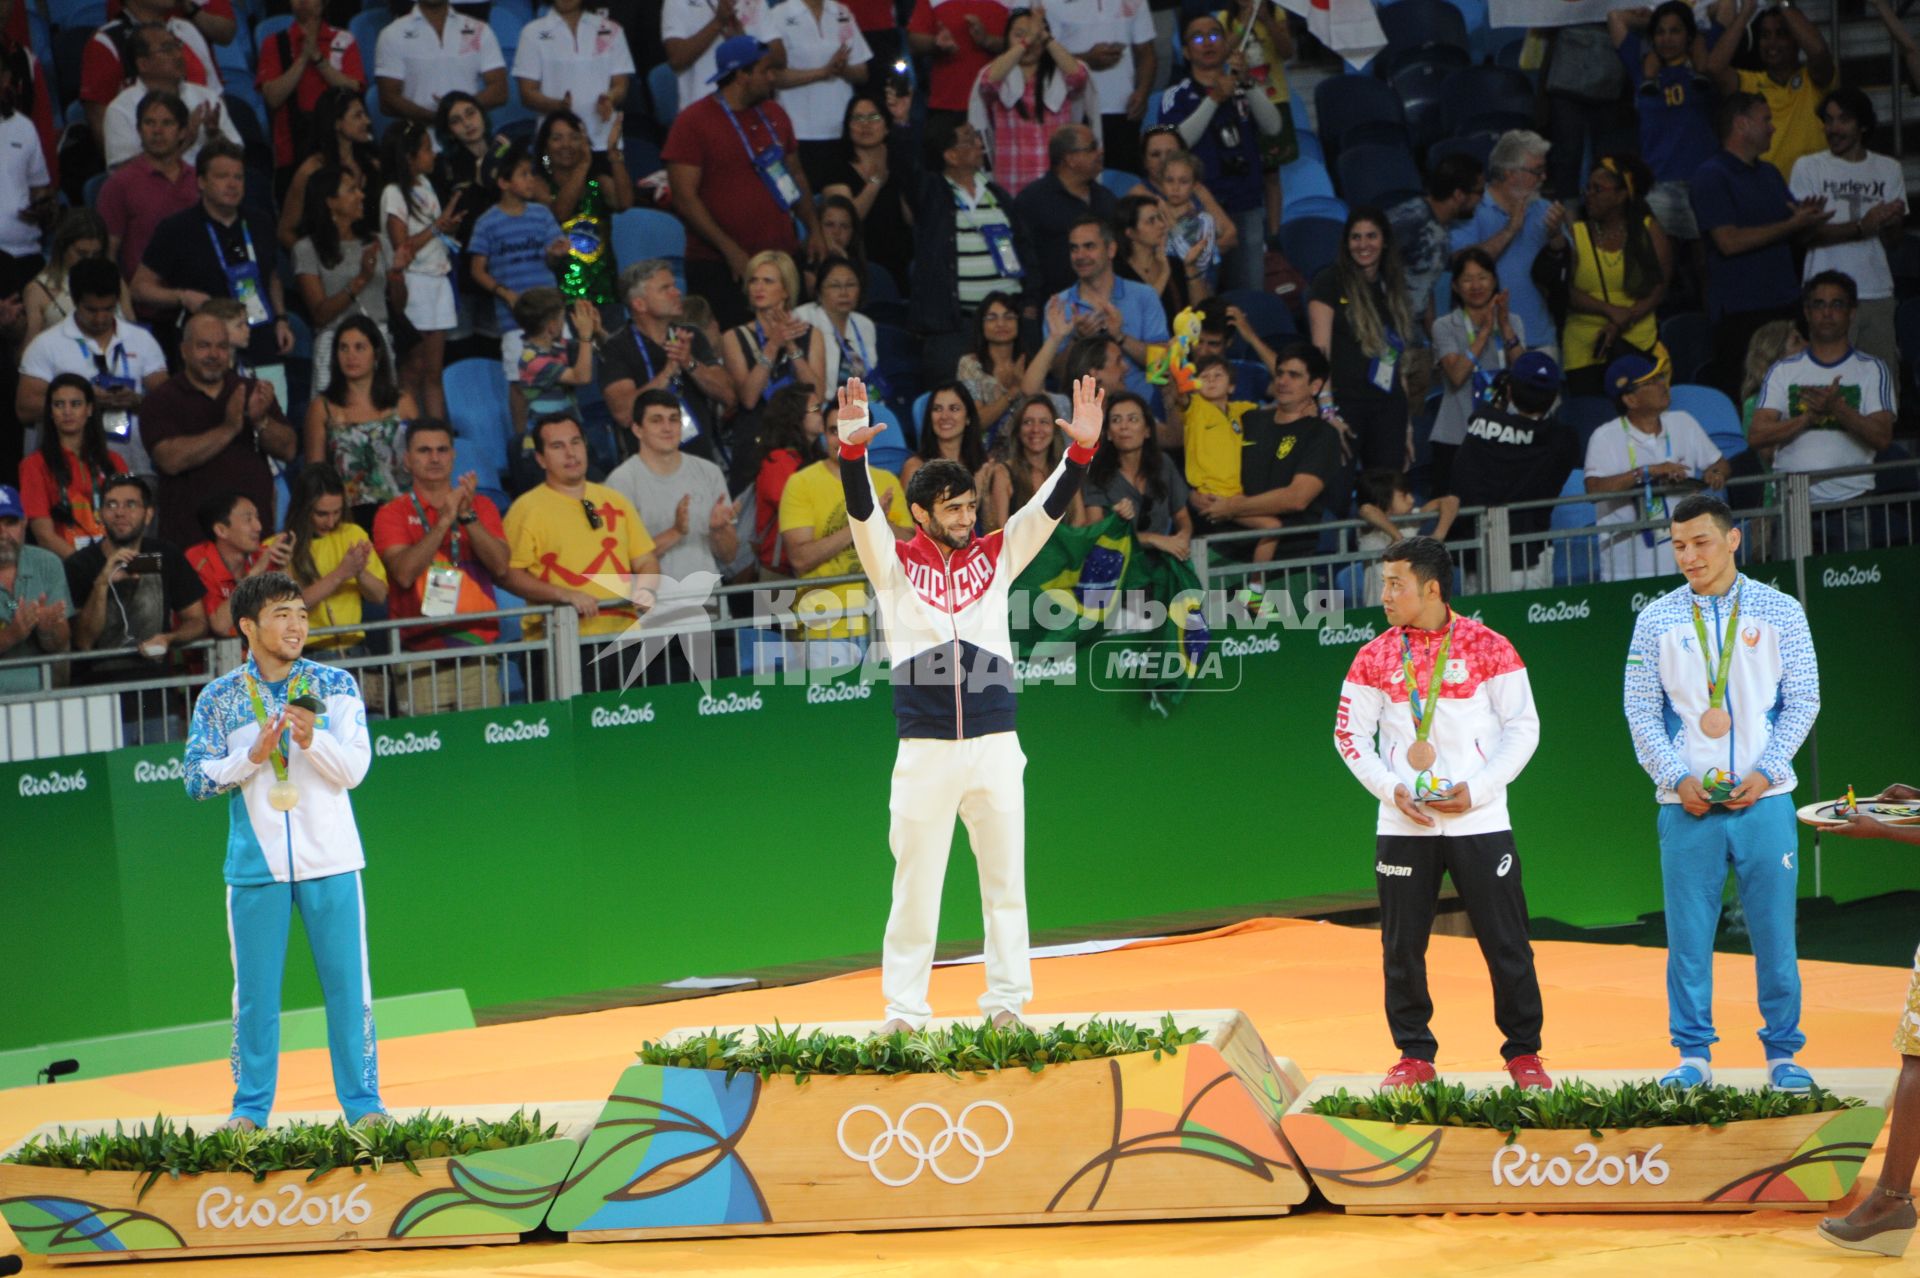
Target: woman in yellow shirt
{"x": 1622, "y": 264}
{"x": 333, "y": 559}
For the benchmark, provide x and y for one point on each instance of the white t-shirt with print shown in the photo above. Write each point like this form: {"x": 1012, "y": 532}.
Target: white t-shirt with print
{"x": 430, "y": 258}
{"x": 1851, "y": 188}
{"x": 1864, "y": 380}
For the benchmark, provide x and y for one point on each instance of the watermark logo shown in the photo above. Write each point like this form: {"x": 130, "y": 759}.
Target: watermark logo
{"x": 822, "y": 694}
{"x": 148, "y": 773}
{"x": 408, "y": 743}
{"x": 1558, "y": 610}
{"x": 732, "y": 703}
{"x": 1839, "y": 578}
{"x": 668, "y": 610}
{"x": 622, "y": 716}
{"x": 1145, "y": 664}
{"x": 518, "y": 730}
{"x": 1513, "y": 1165}
{"x": 32, "y": 787}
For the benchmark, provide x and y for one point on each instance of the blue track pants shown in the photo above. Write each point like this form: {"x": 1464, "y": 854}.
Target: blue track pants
{"x": 1760, "y": 843}
{"x": 334, "y": 913}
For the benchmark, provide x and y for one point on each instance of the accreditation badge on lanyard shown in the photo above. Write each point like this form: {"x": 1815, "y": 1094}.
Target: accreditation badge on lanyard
{"x": 770, "y": 161}
{"x": 440, "y": 597}
{"x": 117, "y": 422}
{"x": 689, "y": 424}
{"x": 1383, "y": 372}
{"x": 243, "y": 278}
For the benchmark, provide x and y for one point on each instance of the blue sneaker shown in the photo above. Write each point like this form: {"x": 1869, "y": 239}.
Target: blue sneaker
{"x": 1683, "y": 1076}
{"x": 1786, "y": 1076}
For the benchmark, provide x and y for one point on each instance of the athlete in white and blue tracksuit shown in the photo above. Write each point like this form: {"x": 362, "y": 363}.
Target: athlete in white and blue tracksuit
{"x": 308, "y": 860}
{"x": 1773, "y": 694}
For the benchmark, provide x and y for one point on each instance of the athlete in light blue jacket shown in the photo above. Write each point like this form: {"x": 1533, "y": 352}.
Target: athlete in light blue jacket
{"x": 1721, "y": 689}
{"x": 285, "y": 770}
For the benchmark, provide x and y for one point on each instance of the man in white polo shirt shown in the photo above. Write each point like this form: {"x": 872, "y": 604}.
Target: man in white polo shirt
{"x": 578, "y": 61}
{"x": 1648, "y": 449}
{"x": 160, "y": 67}
{"x": 432, "y": 52}
{"x": 691, "y": 31}
{"x": 1830, "y": 406}
{"x": 122, "y": 360}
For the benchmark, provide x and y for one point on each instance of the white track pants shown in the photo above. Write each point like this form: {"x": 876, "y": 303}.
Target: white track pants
{"x": 982, "y": 781}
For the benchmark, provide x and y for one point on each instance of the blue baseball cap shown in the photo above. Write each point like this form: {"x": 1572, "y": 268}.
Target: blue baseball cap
{"x": 736, "y": 53}
{"x": 10, "y": 507}
{"x": 1537, "y": 369}
{"x": 1633, "y": 370}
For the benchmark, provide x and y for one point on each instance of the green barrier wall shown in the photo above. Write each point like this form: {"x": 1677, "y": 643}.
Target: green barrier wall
{"x": 654, "y": 835}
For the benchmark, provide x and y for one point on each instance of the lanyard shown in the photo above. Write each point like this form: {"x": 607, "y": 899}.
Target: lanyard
{"x": 1717, "y": 670}
{"x": 692, "y": 425}
{"x": 1423, "y": 708}
{"x": 752, "y": 155}
{"x": 859, "y": 349}
{"x": 297, "y": 687}
{"x": 220, "y": 250}
{"x": 101, "y": 360}
{"x": 1654, "y": 507}
{"x": 453, "y": 535}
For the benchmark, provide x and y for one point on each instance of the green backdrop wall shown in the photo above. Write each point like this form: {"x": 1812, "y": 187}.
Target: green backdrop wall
{"x": 642, "y": 837}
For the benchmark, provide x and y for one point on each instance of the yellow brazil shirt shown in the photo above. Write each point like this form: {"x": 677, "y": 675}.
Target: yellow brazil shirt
{"x": 551, "y": 536}
{"x": 814, "y": 499}
{"x": 1214, "y": 442}
{"x": 342, "y": 607}
{"x": 1797, "y": 130}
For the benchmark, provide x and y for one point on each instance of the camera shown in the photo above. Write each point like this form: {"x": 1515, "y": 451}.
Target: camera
{"x": 144, "y": 563}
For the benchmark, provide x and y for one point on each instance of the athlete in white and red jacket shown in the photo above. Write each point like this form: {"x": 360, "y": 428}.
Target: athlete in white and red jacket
{"x": 943, "y": 615}
{"x": 1449, "y": 816}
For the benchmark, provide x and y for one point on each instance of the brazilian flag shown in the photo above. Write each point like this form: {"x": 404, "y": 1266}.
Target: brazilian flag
{"x": 1077, "y": 583}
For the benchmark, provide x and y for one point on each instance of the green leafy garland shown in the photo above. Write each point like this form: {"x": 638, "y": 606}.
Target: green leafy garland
{"x": 164, "y": 1148}
{"x": 1574, "y": 1104}
{"x": 974, "y": 1049}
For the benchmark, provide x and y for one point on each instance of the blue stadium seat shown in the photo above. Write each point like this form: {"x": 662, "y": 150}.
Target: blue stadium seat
{"x": 1576, "y": 560}
{"x": 1250, "y": 380}
{"x": 890, "y": 448}
{"x": 1716, "y": 413}
{"x": 375, "y": 114}
{"x": 1475, "y": 92}
{"x": 476, "y": 392}
{"x": 1119, "y": 181}
{"x": 470, "y": 455}
{"x": 1343, "y": 103}
{"x": 90, "y": 194}
{"x": 302, "y": 337}
{"x": 915, "y": 417}
{"x": 1306, "y": 178}
{"x": 68, "y": 14}
{"x": 365, "y": 27}
{"x": 1420, "y": 85}
{"x": 1309, "y": 141}
{"x": 1310, "y": 244}
{"x": 664, "y": 88}
{"x": 1271, "y": 318}
{"x": 1417, "y": 28}
{"x": 881, "y": 286}
{"x": 1378, "y": 175}
{"x": 1329, "y": 208}
{"x": 69, "y": 45}
{"x": 1477, "y": 145}
{"x": 506, "y": 17}
{"x": 898, "y": 356}
{"x": 1584, "y": 414}
{"x": 1906, "y": 334}
{"x": 1688, "y": 338}
{"x": 643, "y": 233}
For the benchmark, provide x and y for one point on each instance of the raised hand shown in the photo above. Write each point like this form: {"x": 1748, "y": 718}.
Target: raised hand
{"x": 724, "y": 512}
{"x": 853, "y": 404}
{"x": 682, "y": 514}
{"x": 268, "y": 739}
{"x": 1089, "y": 411}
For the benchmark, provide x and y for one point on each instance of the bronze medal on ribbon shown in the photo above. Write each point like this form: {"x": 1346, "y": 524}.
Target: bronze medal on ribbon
{"x": 1716, "y": 723}
{"x": 1421, "y": 755}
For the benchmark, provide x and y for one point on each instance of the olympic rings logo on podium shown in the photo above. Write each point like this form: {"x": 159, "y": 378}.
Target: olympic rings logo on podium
{"x": 926, "y": 1154}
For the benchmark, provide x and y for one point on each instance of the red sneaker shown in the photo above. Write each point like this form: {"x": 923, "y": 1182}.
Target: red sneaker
{"x": 1411, "y": 1071}
{"x": 1527, "y": 1071}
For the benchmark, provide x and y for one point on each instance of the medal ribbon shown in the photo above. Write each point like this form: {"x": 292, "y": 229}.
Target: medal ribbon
{"x": 1717, "y": 671}
{"x": 278, "y": 757}
{"x": 1423, "y": 709}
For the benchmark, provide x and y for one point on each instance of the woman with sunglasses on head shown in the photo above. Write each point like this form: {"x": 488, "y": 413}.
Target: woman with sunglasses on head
{"x": 1622, "y": 264}
{"x": 61, "y": 482}
{"x": 1223, "y": 117}
{"x": 340, "y": 136}
{"x": 358, "y": 423}
{"x": 995, "y": 370}
{"x": 864, "y": 173}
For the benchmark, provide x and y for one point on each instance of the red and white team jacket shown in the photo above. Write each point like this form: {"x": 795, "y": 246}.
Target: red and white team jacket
{"x": 1485, "y": 729}
{"x": 943, "y": 614}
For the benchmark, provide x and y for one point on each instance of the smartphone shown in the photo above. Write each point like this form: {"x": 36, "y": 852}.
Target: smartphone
{"x": 148, "y": 562}
{"x": 900, "y": 77}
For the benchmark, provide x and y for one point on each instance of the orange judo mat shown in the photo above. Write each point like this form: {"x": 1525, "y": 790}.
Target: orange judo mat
{"x": 1314, "y": 991}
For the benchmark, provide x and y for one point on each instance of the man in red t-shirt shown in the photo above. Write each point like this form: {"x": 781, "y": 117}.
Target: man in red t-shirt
{"x": 103, "y": 71}
{"x": 298, "y": 65}
{"x": 232, "y": 551}
{"x": 961, "y": 36}
{"x": 734, "y": 169}
{"x": 443, "y": 545}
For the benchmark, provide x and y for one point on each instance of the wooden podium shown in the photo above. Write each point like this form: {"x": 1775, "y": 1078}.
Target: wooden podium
{"x": 687, "y": 1152}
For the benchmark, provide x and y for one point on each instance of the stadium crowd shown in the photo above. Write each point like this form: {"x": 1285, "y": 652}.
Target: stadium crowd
{"x": 451, "y": 305}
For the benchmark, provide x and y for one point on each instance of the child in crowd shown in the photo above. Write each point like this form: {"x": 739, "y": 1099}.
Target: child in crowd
{"x": 516, "y": 246}
{"x": 1384, "y": 496}
{"x": 415, "y": 224}
{"x": 1189, "y": 226}
{"x": 232, "y": 312}
{"x": 1211, "y": 421}
{"x": 552, "y": 364}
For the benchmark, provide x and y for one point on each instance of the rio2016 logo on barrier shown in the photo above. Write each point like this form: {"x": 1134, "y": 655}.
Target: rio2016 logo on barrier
{"x": 32, "y": 787}
{"x": 410, "y": 743}
{"x": 1559, "y": 610}
{"x": 1044, "y": 668}
{"x": 620, "y": 716}
{"x": 518, "y": 730}
{"x": 1254, "y": 647}
{"x": 1839, "y": 578}
{"x": 821, "y": 694}
{"x": 147, "y": 772}
{"x": 221, "y": 1208}
{"x": 1512, "y": 1165}
{"x": 1334, "y": 636}
{"x": 925, "y": 1153}
{"x": 732, "y": 703}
